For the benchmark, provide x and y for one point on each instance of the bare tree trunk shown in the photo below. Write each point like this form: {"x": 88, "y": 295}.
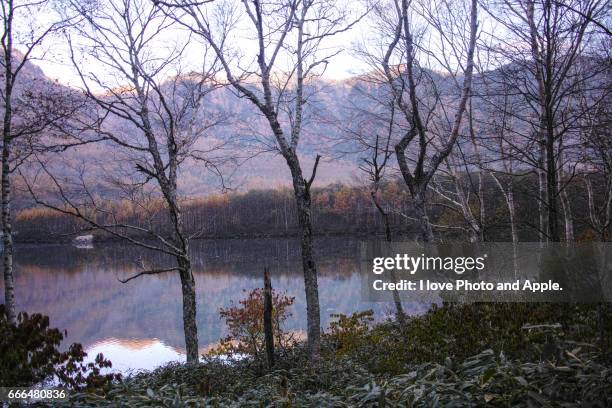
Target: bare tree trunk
{"x": 568, "y": 217}
{"x": 513, "y": 231}
{"x": 424, "y": 169}
{"x": 399, "y": 309}
{"x": 567, "y": 210}
{"x": 543, "y": 75}
{"x": 7, "y": 238}
{"x": 541, "y": 208}
{"x": 188, "y": 288}
{"x": 508, "y": 193}
{"x": 267, "y": 317}
{"x": 462, "y": 201}
{"x": 7, "y": 256}
{"x": 482, "y": 207}
{"x": 512, "y": 213}
{"x": 301, "y": 189}
{"x": 189, "y": 310}
{"x": 383, "y": 214}
{"x": 420, "y": 213}
{"x": 551, "y": 186}
{"x": 400, "y": 315}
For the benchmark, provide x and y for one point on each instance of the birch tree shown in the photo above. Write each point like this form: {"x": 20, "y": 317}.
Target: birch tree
{"x": 152, "y": 114}
{"x": 415, "y": 34}
{"x": 290, "y": 39}
{"x": 542, "y": 50}
{"x": 371, "y": 134}
{"x": 597, "y": 172}
{"x": 29, "y": 107}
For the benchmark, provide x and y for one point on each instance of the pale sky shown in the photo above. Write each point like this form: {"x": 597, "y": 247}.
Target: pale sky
{"x": 56, "y": 64}
{"x": 58, "y": 67}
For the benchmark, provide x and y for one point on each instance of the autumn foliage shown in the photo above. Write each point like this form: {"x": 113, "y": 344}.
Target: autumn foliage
{"x": 337, "y": 209}
{"x": 246, "y": 325}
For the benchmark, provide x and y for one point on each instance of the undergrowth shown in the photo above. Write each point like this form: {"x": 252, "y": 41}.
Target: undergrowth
{"x": 498, "y": 355}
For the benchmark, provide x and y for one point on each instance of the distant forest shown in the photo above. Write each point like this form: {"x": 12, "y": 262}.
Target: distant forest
{"x": 338, "y": 209}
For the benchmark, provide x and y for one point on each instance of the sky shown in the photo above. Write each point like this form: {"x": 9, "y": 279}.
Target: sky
{"x": 53, "y": 57}
{"x": 57, "y": 66}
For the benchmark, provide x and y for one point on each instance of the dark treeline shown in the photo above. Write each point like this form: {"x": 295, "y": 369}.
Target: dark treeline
{"x": 337, "y": 210}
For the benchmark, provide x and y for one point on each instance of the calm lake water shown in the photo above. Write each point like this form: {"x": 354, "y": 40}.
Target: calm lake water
{"x": 138, "y": 325}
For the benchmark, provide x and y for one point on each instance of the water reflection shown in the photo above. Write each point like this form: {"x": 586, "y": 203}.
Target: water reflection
{"x": 139, "y": 324}
{"x": 130, "y": 355}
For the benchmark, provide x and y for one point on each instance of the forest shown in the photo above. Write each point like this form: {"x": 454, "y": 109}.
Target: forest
{"x": 338, "y": 210}
{"x": 162, "y": 123}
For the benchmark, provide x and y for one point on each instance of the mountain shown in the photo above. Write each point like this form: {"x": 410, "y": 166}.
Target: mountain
{"x": 335, "y": 108}
{"x": 245, "y": 131}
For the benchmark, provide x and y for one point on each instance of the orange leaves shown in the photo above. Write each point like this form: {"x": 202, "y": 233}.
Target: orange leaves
{"x": 246, "y": 327}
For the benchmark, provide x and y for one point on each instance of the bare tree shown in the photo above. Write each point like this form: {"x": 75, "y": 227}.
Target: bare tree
{"x": 431, "y": 119}
{"x": 502, "y": 164}
{"x": 30, "y": 108}
{"x": 462, "y": 189}
{"x": 370, "y": 134}
{"x": 597, "y": 177}
{"x": 153, "y": 115}
{"x": 542, "y": 53}
{"x": 290, "y": 38}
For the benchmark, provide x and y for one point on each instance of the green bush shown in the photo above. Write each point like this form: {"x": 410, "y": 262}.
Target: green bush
{"x": 576, "y": 378}
{"x": 460, "y": 331}
{"x": 348, "y": 334}
{"x": 30, "y": 354}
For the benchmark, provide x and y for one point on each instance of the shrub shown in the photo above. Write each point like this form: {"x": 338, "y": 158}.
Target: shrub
{"x": 246, "y": 327}
{"x": 347, "y": 334}
{"x": 459, "y": 331}
{"x": 29, "y": 354}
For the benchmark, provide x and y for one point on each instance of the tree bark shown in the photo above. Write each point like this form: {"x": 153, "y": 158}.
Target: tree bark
{"x": 568, "y": 217}
{"x": 190, "y": 326}
{"x": 482, "y": 207}
{"x": 400, "y": 315}
{"x": 512, "y": 213}
{"x": 551, "y": 186}
{"x": 7, "y": 238}
{"x": 508, "y": 193}
{"x": 301, "y": 190}
{"x": 267, "y": 317}
{"x": 541, "y": 207}
{"x": 420, "y": 212}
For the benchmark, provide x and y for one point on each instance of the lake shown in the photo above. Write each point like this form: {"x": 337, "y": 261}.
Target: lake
{"x": 138, "y": 325}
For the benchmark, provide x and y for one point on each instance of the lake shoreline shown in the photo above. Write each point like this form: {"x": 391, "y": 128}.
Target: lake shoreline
{"x": 249, "y": 236}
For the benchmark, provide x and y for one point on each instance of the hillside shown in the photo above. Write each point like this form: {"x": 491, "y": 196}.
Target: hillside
{"x": 335, "y": 109}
